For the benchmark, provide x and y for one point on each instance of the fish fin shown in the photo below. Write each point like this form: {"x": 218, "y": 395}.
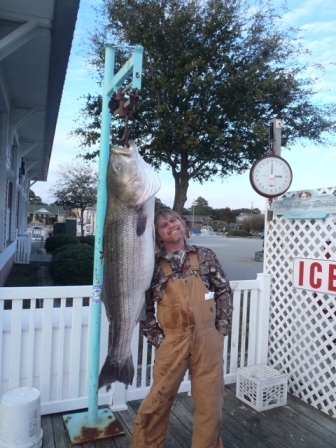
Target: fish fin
{"x": 141, "y": 222}
{"x": 142, "y": 314}
{"x": 104, "y": 298}
{"x": 116, "y": 370}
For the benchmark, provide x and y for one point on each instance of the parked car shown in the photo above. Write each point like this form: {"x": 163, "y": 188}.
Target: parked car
{"x": 261, "y": 234}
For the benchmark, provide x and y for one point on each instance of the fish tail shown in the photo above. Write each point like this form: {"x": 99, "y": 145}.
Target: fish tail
{"x": 116, "y": 370}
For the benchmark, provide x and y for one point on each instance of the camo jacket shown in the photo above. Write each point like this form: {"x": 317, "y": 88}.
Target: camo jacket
{"x": 212, "y": 275}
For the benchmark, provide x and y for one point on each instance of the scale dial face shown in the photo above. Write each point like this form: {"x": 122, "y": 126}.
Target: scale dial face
{"x": 271, "y": 176}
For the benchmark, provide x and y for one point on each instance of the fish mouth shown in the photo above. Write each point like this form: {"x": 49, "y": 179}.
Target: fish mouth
{"x": 142, "y": 181}
{"x": 123, "y": 150}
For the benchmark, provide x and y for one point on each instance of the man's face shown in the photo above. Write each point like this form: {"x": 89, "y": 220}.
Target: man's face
{"x": 170, "y": 229}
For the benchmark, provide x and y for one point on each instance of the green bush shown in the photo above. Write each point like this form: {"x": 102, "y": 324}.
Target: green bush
{"x": 242, "y": 233}
{"x": 62, "y": 249}
{"x": 89, "y": 239}
{"x": 73, "y": 265}
{"x": 56, "y": 241}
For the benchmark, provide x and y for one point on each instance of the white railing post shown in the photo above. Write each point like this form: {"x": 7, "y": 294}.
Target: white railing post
{"x": 29, "y": 245}
{"x": 23, "y": 249}
{"x": 118, "y": 397}
{"x": 263, "y": 317}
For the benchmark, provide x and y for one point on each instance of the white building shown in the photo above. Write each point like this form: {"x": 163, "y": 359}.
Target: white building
{"x": 35, "y": 43}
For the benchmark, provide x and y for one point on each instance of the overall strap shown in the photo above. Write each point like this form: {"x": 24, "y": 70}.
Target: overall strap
{"x": 194, "y": 264}
{"x": 167, "y": 270}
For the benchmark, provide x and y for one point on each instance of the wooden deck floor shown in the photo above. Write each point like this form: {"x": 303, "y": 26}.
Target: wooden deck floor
{"x": 294, "y": 425}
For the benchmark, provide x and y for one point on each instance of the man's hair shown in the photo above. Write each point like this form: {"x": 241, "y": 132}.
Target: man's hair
{"x": 164, "y": 212}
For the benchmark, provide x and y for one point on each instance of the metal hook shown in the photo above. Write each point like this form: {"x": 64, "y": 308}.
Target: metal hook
{"x": 125, "y": 109}
{"x": 128, "y": 129}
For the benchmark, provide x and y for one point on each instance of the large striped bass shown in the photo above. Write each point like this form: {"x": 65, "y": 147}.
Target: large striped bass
{"x": 128, "y": 250}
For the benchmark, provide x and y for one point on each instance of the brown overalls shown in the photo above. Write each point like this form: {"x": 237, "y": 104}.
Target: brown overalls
{"x": 191, "y": 342}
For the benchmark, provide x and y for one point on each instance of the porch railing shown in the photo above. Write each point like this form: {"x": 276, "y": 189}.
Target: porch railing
{"x": 44, "y": 340}
{"x": 23, "y": 249}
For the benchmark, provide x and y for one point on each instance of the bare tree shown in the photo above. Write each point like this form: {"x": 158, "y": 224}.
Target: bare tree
{"x": 76, "y": 187}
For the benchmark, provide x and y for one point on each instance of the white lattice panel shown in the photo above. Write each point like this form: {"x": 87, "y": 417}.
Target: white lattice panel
{"x": 302, "y": 337}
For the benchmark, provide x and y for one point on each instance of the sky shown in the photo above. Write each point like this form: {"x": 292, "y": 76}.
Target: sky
{"x": 312, "y": 166}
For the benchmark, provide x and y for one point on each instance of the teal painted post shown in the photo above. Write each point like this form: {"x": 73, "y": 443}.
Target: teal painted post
{"x": 134, "y": 63}
{"x": 137, "y": 69}
{"x": 98, "y": 250}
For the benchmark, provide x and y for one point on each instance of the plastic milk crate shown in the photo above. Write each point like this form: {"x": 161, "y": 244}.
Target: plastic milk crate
{"x": 261, "y": 387}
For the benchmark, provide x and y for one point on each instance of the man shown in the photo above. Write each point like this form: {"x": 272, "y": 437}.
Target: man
{"x": 194, "y": 308}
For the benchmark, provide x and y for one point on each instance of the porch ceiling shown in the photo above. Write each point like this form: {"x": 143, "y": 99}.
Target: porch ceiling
{"x": 35, "y": 44}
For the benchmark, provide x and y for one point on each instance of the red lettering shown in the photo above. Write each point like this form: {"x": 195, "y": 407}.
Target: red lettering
{"x": 332, "y": 277}
{"x": 314, "y": 281}
{"x": 301, "y": 272}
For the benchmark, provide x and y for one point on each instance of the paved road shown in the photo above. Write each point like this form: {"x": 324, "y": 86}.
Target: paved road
{"x": 237, "y": 255}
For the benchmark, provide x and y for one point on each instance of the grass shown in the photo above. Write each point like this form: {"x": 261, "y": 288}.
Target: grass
{"x": 23, "y": 275}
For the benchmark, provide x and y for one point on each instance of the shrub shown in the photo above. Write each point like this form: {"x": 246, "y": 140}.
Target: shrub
{"x": 89, "y": 239}
{"x": 73, "y": 265}
{"x": 56, "y": 241}
{"x": 242, "y": 233}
